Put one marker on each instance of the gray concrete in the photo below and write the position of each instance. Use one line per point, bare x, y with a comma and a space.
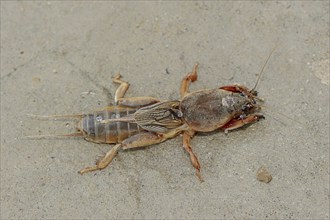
58, 58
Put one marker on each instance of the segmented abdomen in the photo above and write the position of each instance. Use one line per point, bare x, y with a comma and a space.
112, 132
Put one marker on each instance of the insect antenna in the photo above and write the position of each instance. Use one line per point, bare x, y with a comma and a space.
279, 113
253, 91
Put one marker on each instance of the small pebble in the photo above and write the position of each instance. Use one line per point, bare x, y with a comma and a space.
263, 175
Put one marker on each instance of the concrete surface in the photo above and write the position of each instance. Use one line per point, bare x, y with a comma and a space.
58, 58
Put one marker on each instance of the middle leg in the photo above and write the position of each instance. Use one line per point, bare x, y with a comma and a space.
190, 77
187, 135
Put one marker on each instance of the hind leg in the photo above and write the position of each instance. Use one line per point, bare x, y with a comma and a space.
136, 141
104, 161
122, 89
133, 101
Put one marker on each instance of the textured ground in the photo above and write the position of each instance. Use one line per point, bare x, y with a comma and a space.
58, 58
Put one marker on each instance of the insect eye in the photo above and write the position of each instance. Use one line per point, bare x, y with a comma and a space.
247, 107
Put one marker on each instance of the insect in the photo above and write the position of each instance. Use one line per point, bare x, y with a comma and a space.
142, 121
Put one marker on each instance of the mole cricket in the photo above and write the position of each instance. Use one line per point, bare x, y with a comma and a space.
142, 121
